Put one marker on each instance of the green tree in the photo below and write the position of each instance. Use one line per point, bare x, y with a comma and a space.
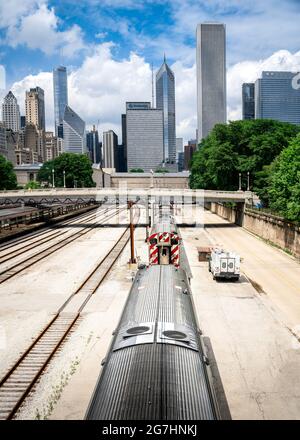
161, 170
77, 167
33, 184
239, 147
8, 179
136, 170
284, 188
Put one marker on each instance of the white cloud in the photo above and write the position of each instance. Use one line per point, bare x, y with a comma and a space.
101, 35
10, 14
37, 27
99, 88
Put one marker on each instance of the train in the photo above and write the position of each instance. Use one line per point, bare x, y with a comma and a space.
156, 366
164, 241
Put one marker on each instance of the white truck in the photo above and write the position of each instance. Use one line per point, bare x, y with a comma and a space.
224, 264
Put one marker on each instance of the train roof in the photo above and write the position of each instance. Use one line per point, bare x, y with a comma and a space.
156, 338
164, 226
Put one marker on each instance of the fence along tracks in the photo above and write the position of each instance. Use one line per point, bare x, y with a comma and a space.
38, 256
20, 379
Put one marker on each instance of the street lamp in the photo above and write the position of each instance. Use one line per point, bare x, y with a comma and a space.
248, 181
75, 183
240, 181
53, 182
151, 179
64, 173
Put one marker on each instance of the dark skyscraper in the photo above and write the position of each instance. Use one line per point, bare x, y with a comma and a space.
165, 101
123, 149
248, 101
93, 145
60, 90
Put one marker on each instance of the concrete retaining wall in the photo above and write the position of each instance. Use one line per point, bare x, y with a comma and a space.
269, 227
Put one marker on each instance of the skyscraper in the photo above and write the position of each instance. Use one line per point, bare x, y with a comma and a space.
211, 76
144, 134
248, 101
110, 149
60, 91
123, 160
74, 140
50, 145
11, 112
165, 101
93, 145
276, 97
35, 108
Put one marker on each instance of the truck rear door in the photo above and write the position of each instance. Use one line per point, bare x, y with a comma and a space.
223, 264
231, 265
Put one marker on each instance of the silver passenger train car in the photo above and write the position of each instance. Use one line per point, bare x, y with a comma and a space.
156, 368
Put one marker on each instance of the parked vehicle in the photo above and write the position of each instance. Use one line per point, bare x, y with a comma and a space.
224, 264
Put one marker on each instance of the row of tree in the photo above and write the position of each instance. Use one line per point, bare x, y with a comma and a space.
69, 169
267, 149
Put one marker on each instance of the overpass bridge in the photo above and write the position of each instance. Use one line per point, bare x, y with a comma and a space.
116, 195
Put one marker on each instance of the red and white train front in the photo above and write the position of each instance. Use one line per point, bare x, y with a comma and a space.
164, 243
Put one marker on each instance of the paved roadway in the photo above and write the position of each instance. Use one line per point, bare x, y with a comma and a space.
276, 273
250, 329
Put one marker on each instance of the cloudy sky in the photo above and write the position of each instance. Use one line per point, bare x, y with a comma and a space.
108, 47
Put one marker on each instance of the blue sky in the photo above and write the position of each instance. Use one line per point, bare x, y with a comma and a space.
255, 30
36, 35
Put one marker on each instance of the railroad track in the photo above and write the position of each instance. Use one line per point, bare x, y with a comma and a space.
32, 244
44, 231
38, 256
21, 378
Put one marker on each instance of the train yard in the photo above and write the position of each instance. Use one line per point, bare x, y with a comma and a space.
63, 291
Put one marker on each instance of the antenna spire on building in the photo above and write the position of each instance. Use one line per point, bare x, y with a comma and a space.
164, 57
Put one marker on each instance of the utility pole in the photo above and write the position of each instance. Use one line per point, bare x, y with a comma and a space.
132, 258
53, 181
147, 217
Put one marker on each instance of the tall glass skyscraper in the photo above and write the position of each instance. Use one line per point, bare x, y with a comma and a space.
74, 140
60, 91
165, 101
248, 101
93, 145
211, 76
277, 97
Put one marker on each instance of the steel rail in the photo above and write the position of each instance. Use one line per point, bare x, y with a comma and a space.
33, 244
20, 379
38, 256
45, 230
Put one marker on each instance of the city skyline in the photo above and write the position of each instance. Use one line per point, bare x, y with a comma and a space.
105, 59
